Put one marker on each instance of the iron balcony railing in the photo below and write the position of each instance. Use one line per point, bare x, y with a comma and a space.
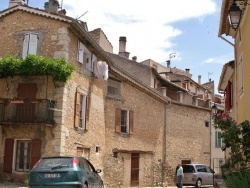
26, 111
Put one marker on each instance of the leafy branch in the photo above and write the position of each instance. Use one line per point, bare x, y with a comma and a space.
34, 65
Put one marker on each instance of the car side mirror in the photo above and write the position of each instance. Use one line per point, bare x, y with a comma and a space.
98, 170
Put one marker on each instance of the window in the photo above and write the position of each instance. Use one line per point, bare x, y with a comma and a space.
124, 121
81, 111
218, 139
114, 89
23, 148
21, 155
85, 57
30, 42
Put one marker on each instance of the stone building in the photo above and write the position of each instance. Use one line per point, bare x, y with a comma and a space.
136, 126
41, 116
163, 134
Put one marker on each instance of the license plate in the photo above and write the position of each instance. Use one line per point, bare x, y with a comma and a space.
52, 175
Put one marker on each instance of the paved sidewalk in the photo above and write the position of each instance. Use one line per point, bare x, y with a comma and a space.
220, 183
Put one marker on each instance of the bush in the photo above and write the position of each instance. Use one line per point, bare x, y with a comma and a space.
238, 179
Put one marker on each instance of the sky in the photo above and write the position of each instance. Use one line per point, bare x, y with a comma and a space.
185, 32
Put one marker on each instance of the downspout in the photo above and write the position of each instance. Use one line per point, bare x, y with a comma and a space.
226, 40
164, 145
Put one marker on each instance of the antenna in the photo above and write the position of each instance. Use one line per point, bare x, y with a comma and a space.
61, 4
209, 73
82, 15
171, 56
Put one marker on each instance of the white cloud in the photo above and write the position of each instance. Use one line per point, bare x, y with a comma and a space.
146, 24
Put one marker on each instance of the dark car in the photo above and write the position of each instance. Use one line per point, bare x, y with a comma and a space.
197, 175
68, 172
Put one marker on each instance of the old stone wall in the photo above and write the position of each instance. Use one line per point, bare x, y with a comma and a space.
187, 136
55, 41
146, 137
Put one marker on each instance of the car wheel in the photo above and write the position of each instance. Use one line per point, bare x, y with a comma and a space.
198, 183
85, 185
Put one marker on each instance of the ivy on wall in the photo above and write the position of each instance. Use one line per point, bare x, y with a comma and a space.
34, 65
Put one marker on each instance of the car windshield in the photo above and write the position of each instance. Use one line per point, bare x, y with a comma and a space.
55, 163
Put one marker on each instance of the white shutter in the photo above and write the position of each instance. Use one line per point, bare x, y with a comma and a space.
33, 43
25, 45
80, 52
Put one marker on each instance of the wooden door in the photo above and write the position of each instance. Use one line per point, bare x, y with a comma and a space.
135, 161
25, 112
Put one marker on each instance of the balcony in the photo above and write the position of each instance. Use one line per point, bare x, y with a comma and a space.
26, 111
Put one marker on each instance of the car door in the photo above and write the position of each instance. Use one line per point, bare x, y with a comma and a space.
94, 175
202, 172
88, 173
209, 175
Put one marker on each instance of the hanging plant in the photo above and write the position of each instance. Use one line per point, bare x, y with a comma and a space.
34, 65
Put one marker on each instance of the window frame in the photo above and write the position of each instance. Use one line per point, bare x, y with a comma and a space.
30, 45
218, 139
81, 111
129, 121
116, 86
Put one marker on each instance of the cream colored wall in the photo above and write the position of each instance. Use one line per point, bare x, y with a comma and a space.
242, 51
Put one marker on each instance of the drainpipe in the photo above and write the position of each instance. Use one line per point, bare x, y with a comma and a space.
226, 40
164, 145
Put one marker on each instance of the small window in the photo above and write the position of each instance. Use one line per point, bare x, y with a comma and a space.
30, 42
114, 89
24, 152
124, 121
206, 124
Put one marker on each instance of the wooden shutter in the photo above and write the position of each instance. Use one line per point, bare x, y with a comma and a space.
117, 120
33, 43
25, 45
35, 151
228, 97
77, 109
87, 113
131, 121
80, 52
8, 155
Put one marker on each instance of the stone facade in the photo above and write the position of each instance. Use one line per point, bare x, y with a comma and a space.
56, 40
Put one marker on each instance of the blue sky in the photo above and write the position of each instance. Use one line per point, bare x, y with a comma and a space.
155, 29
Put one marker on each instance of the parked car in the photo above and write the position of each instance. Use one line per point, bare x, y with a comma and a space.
197, 175
64, 171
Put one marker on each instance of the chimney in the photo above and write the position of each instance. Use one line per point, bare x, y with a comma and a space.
199, 79
122, 47
134, 58
168, 63
13, 3
52, 6
187, 70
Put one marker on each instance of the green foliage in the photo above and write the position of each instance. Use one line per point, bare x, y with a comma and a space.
236, 137
238, 179
34, 65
